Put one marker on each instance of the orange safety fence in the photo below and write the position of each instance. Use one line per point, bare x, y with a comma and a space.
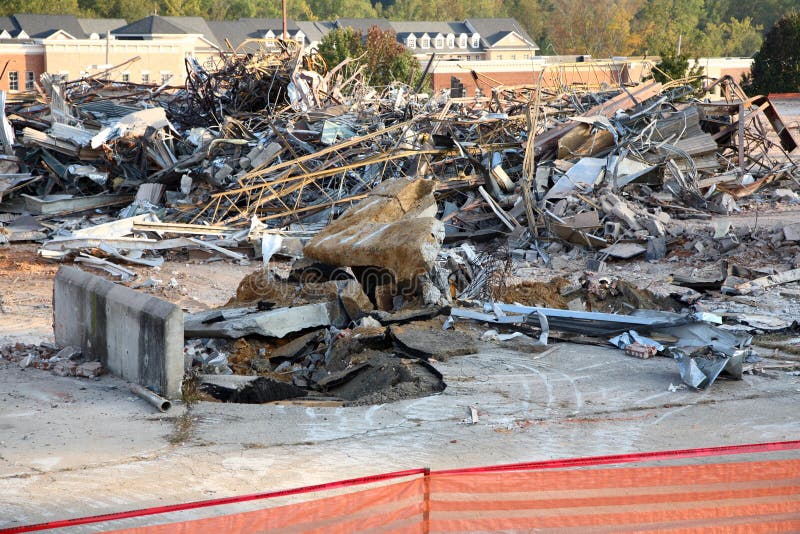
759, 492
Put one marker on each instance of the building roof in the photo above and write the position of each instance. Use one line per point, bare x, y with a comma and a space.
315, 30
237, 31
226, 29
363, 25
100, 26
431, 28
493, 30
43, 26
7, 23
152, 25
194, 25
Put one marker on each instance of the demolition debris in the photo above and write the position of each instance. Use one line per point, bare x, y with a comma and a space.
403, 215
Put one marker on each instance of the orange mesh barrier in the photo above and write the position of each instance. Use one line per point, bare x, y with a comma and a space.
578, 495
747, 496
392, 508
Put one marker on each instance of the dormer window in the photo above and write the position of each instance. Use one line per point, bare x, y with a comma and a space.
438, 42
476, 41
425, 42
451, 40
5, 35
94, 36
462, 40
300, 37
411, 41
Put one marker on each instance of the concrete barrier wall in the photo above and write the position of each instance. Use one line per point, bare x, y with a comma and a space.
136, 336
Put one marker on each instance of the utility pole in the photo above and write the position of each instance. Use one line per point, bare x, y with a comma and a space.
283, 6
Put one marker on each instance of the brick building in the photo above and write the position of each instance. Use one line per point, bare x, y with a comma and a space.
471, 56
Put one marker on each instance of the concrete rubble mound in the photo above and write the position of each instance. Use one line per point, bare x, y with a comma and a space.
395, 228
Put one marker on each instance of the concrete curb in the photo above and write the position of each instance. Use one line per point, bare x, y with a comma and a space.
136, 336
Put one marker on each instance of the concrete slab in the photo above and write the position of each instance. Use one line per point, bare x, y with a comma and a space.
137, 337
570, 401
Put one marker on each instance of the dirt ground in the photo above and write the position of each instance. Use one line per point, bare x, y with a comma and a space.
26, 289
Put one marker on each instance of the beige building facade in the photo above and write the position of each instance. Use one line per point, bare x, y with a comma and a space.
156, 61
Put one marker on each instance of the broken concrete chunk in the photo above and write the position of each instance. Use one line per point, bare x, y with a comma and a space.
89, 369
791, 232
430, 341
274, 323
355, 301
69, 353
392, 228
261, 155
656, 248
624, 250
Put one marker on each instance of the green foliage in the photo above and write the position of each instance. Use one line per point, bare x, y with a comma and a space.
764, 13
671, 67
340, 44
333, 9
386, 59
776, 66
664, 22
674, 66
383, 58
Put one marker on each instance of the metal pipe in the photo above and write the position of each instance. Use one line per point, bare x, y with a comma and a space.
159, 402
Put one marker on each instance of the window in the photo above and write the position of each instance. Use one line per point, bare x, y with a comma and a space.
513, 56
300, 37
476, 41
462, 40
451, 41
84, 74
425, 42
145, 77
13, 81
165, 77
438, 42
411, 41
29, 80
126, 77
499, 56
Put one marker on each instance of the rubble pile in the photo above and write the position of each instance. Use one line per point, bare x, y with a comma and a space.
68, 361
401, 210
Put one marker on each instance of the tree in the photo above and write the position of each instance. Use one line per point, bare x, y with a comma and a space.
674, 66
333, 9
529, 13
776, 66
735, 38
386, 59
661, 23
599, 28
340, 44
62, 7
764, 13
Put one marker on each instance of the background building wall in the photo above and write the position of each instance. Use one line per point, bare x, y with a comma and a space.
20, 58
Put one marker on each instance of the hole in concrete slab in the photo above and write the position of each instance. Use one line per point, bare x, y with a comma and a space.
351, 367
